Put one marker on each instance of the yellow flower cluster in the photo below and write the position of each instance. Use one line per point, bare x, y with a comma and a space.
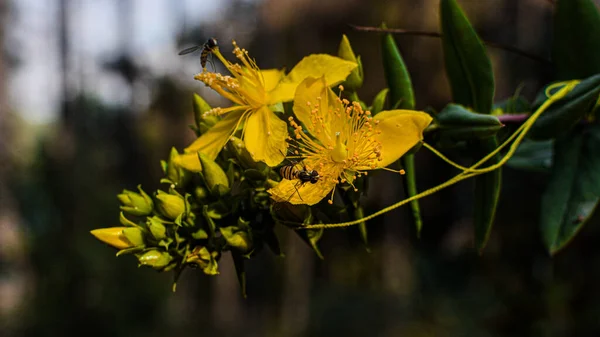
333, 136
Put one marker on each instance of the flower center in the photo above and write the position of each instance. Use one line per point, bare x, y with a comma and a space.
339, 154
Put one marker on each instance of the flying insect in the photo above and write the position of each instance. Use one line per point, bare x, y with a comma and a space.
207, 48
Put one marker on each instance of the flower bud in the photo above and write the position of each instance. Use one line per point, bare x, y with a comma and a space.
135, 236
237, 238
174, 172
238, 148
156, 227
155, 259
114, 236
213, 175
355, 79
203, 120
170, 205
204, 259
139, 204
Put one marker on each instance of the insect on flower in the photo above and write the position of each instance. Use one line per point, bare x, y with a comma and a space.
343, 141
254, 93
291, 172
207, 48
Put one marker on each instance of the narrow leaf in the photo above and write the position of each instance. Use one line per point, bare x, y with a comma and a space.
401, 97
471, 79
487, 193
396, 75
561, 116
468, 67
576, 47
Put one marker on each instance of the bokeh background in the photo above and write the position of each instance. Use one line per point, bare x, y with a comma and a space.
93, 95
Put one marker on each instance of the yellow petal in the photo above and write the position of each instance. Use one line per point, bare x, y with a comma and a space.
212, 141
271, 78
265, 137
333, 68
301, 194
400, 131
188, 161
315, 91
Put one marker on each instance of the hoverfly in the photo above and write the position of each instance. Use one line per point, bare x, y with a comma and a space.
207, 48
290, 172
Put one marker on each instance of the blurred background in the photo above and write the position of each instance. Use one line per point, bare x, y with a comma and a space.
93, 95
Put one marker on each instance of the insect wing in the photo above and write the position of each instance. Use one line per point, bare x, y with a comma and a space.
189, 50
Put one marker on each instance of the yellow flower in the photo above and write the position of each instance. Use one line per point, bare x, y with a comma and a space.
254, 92
343, 141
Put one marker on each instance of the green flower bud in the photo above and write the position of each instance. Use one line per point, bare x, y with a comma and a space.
155, 259
134, 235
174, 172
156, 227
170, 205
238, 148
204, 121
355, 80
200, 193
237, 238
139, 204
113, 236
214, 175
204, 259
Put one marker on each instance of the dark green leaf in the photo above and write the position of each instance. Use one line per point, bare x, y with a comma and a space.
487, 193
457, 123
533, 156
396, 75
471, 79
574, 188
514, 105
561, 116
410, 187
468, 67
458, 115
576, 47
401, 97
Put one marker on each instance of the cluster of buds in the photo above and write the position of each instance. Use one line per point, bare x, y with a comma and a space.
199, 216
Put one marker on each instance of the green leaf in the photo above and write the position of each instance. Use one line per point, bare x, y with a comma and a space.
574, 188
457, 123
513, 105
487, 193
468, 67
533, 156
379, 101
471, 79
396, 75
458, 115
576, 47
561, 116
410, 187
402, 97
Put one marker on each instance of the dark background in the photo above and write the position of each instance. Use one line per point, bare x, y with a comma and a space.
92, 123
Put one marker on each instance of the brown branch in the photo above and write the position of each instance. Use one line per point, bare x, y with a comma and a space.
439, 35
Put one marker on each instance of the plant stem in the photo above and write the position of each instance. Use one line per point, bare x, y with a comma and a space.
439, 35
